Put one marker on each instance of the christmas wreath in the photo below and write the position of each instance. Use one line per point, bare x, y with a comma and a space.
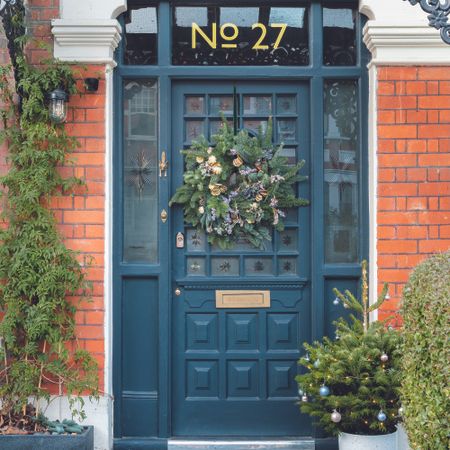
238, 188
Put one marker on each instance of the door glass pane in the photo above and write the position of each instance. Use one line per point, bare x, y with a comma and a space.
195, 105
259, 35
287, 266
286, 104
258, 266
341, 158
140, 159
195, 266
257, 105
225, 266
339, 37
196, 240
141, 31
221, 104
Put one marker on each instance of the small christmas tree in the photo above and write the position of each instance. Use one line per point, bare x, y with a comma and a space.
352, 382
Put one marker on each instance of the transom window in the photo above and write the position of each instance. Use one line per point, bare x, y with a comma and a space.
243, 35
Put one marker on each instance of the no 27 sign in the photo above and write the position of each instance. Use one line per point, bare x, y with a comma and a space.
229, 32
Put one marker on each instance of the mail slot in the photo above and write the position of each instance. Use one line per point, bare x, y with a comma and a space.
242, 299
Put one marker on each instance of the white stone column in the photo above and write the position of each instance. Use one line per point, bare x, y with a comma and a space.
88, 32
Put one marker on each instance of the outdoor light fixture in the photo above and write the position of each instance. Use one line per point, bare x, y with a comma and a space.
57, 106
91, 84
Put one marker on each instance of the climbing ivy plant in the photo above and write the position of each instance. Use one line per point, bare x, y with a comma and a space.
38, 275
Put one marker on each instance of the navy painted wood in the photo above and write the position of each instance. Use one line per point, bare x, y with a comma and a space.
144, 293
234, 369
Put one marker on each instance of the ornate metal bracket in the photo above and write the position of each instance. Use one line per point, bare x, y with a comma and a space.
438, 15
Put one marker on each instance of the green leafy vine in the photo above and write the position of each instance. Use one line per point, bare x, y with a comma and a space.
37, 271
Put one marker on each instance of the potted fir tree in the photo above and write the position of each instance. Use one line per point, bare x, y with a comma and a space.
351, 384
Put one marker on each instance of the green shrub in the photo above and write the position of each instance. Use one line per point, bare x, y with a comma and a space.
425, 388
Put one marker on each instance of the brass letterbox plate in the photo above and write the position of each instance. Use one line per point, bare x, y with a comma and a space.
242, 299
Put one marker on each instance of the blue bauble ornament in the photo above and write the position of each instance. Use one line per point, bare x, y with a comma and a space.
381, 416
324, 391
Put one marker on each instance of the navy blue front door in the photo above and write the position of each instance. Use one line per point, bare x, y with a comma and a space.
233, 370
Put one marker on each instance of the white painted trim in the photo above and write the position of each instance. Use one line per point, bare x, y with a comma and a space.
373, 180
405, 45
108, 273
89, 41
98, 9
398, 34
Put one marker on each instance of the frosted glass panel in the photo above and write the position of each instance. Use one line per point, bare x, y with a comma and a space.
341, 156
140, 172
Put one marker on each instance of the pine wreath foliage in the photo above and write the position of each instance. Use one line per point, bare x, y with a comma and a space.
37, 271
361, 385
238, 188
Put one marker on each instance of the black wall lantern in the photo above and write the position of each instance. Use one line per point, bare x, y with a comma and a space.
57, 106
91, 84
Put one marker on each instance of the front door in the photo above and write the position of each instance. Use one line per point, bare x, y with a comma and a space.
233, 370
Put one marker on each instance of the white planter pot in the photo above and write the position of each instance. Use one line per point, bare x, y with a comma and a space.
361, 442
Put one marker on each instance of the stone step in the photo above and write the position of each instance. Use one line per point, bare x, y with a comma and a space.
244, 444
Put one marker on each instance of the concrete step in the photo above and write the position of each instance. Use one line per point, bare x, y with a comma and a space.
244, 444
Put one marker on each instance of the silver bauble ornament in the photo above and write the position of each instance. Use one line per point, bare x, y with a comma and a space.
401, 411
317, 363
300, 392
346, 306
335, 417
336, 301
381, 416
306, 357
384, 357
304, 398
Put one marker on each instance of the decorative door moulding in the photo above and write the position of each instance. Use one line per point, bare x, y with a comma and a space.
437, 15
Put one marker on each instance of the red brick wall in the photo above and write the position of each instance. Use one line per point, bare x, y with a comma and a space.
413, 171
80, 216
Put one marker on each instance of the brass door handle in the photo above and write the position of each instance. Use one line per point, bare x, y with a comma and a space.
177, 292
163, 165
164, 216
